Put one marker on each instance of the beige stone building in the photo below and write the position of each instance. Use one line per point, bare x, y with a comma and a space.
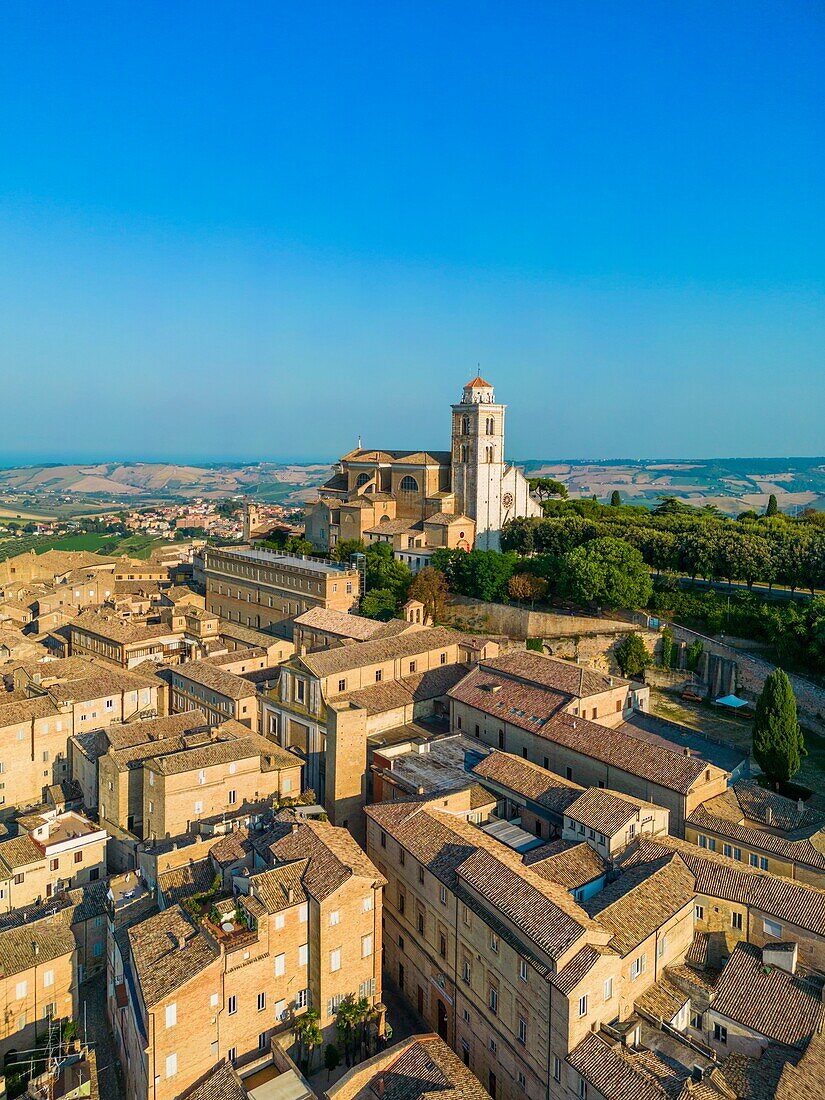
322, 628
424, 500
221, 695
764, 830
615, 995
238, 777
38, 980
328, 703
186, 995
556, 714
125, 643
53, 852
263, 589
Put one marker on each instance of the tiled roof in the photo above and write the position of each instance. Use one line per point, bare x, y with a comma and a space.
106, 624
641, 900
223, 752
273, 887
217, 679
553, 673
338, 622
332, 661
334, 857
98, 685
720, 877
236, 845
24, 710
389, 694
606, 811
781, 1006
773, 809
426, 1067
545, 911
52, 936
124, 736
20, 851
569, 863
527, 779
185, 882
663, 1000
804, 1080
796, 851
577, 969
167, 952
221, 1083
444, 519
616, 1073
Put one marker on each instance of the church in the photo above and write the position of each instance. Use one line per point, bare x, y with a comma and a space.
421, 501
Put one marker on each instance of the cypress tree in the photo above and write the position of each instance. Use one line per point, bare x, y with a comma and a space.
773, 507
615, 498
778, 743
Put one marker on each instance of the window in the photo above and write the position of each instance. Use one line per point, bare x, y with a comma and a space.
493, 1046
736, 921
583, 1006
279, 920
171, 1065
465, 916
213, 1000
261, 1001
699, 912
608, 989
754, 859
727, 850
262, 1041
568, 772
231, 1054
48, 980
522, 1030
335, 960
771, 928
720, 1033
421, 922
493, 1000
466, 971
201, 777
494, 942
366, 947
408, 484
556, 1068
522, 1080
280, 965
696, 1020
20, 990
300, 690
342, 685
442, 894
198, 807
522, 969
54, 864
366, 904
763, 863
171, 1014
737, 853
466, 1016
334, 917
412, 666
232, 798
639, 966
97, 950
401, 901
383, 839
661, 947
582, 1089
302, 998
232, 1005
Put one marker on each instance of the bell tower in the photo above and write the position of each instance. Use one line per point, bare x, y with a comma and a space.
478, 460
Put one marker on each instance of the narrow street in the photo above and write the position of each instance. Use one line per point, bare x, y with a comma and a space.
93, 1002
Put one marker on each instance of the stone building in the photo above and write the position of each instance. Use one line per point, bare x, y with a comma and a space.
424, 500
186, 995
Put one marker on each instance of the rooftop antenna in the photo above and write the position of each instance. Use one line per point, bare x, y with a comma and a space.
359, 441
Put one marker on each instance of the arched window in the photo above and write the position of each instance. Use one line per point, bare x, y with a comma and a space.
463, 452
489, 426
488, 454
465, 425
408, 484
362, 479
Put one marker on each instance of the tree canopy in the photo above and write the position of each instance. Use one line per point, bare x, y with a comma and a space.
778, 742
608, 572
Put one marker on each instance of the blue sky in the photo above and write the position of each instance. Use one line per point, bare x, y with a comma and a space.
254, 230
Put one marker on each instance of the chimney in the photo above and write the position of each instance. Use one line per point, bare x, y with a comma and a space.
800, 806
379, 1085
686, 751
290, 895
769, 816
782, 955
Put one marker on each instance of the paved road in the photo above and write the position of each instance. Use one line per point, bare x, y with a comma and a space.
93, 997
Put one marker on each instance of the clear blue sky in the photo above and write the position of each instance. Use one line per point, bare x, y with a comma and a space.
254, 230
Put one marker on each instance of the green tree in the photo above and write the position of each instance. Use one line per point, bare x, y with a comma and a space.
632, 655
772, 507
545, 487
430, 587
380, 603
778, 742
386, 573
667, 647
308, 1036
615, 498
526, 586
606, 571
343, 551
332, 1057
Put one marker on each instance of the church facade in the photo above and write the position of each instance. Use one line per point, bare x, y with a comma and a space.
420, 501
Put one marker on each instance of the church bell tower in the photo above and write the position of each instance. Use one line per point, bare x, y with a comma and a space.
478, 460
